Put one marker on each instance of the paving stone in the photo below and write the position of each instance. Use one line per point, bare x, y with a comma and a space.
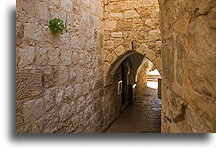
142, 117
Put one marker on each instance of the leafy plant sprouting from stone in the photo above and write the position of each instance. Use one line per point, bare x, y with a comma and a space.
56, 25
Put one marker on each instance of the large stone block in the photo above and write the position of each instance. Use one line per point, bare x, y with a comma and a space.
53, 55
66, 4
43, 11
50, 78
28, 111
28, 83
66, 56
26, 57
31, 31
42, 56
63, 74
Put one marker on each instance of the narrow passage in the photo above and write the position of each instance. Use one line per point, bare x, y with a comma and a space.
144, 116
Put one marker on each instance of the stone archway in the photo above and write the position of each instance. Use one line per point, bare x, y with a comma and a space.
115, 107
110, 83
143, 50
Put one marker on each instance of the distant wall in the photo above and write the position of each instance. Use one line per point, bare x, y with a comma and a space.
131, 25
142, 75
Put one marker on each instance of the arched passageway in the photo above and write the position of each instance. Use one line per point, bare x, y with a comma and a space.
135, 109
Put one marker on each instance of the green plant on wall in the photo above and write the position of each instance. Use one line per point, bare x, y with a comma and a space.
56, 25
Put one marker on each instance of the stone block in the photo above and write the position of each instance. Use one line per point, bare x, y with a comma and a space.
109, 44
26, 57
86, 88
79, 75
39, 108
28, 83
49, 78
65, 112
63, 75
69, 91
81, 104
154, 35
211, 18
124, 25
53, 55
66, 56
66, 4
131, 14
116, 34
59, 96
43, 11
110, 25
42, 56
49, 97
28, 111
77, 90
86, 3
120, 50
150, 23
31, 31
116, 15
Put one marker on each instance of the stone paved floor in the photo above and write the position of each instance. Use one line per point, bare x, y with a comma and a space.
142, 117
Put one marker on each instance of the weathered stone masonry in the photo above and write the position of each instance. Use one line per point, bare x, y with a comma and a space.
64, 84
59, 77
188, 53
129, 26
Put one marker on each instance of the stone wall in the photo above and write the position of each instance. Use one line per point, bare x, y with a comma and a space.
114, 101
59, 78
188, 53
142, 75
131, 25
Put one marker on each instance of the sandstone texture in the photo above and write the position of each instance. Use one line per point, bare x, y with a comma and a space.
69, 83
131, 25
55, 73
188, 59
141, 77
